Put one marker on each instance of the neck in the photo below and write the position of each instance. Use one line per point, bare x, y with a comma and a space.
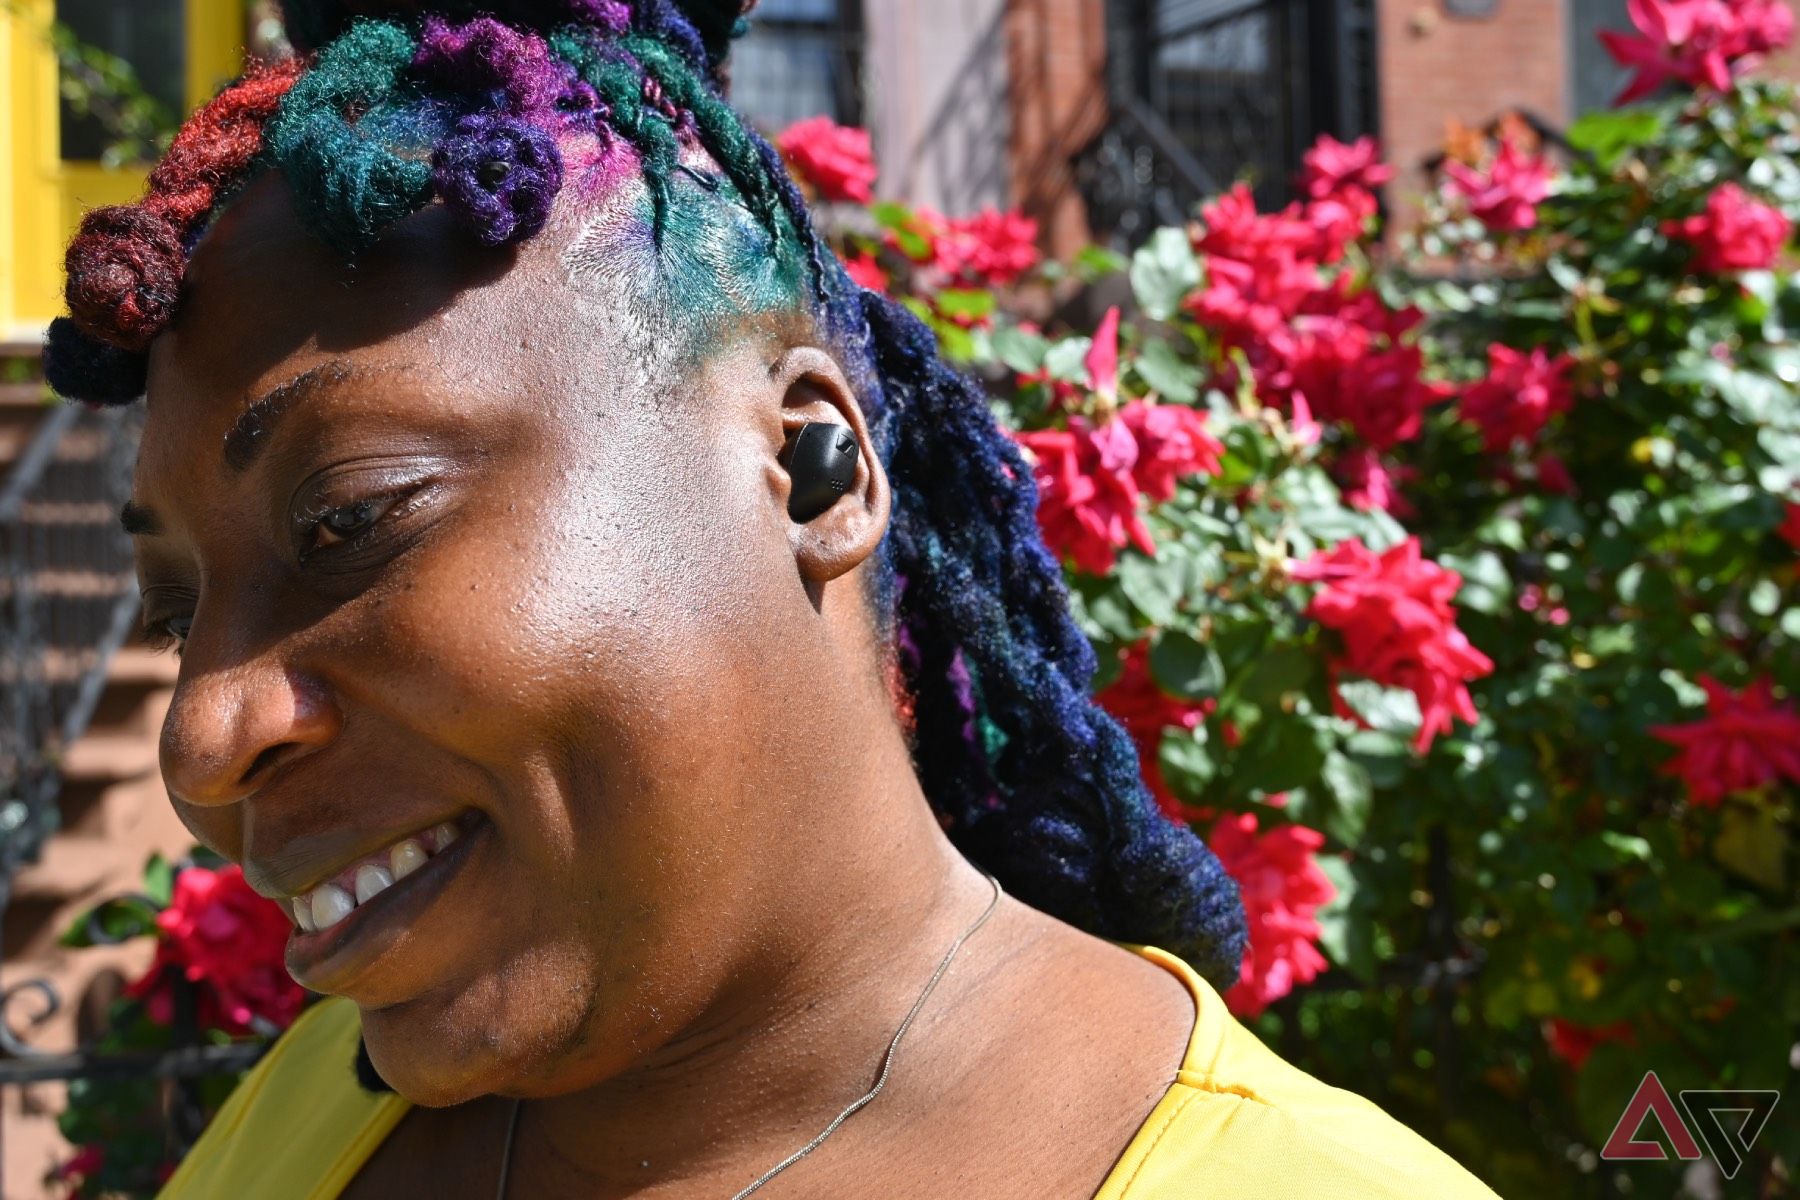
767, 1068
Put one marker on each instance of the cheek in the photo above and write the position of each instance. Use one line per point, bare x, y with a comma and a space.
600, 642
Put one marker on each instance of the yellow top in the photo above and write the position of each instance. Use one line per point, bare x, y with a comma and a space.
1238, 1123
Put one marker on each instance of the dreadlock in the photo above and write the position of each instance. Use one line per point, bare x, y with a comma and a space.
402, 103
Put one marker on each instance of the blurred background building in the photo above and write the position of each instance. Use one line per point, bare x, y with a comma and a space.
1104, 117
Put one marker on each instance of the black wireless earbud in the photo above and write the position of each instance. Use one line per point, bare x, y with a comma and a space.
821, 460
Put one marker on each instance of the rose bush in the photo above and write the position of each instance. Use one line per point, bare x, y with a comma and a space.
1446, 582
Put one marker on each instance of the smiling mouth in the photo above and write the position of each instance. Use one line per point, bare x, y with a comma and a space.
333, 901
391, 887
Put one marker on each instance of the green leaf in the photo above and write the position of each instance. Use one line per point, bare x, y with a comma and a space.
1099, 607
1163, 272
1240, 642
957, 344
1067, 360
1486, 587
1352, 795
1019, 349
1385, 756
1608, 134
114, 921
1187, 762
1284, 752
1276, 672
973, 304
1097, 262
1346, 926
159, 880
1152, 585
1161, 366
1390, 710
1185, 666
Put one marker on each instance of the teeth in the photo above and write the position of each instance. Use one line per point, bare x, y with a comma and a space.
406, 857
371, 881
330, 904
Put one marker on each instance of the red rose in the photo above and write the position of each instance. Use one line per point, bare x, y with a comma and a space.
1553, 476
1370, 484
1331, 167
1702, 43
836, 161
1398, 625
1789, 529
1087, 497
1573, 1043
1282, 888
866, 272
1506, 196
1735, 233
1147, 712
1172, 444
1519, 396
1747, 741
228, 941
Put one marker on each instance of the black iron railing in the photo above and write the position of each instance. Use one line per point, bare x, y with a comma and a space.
67, 599
1206, 92
67, 602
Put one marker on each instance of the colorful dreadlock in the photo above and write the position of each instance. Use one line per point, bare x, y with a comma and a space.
402, 104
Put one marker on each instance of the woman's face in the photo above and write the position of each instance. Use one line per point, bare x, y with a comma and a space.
454, 561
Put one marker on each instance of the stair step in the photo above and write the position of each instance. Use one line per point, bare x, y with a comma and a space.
107, 754
70, 868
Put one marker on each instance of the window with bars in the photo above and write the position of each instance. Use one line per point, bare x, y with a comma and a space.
802, 58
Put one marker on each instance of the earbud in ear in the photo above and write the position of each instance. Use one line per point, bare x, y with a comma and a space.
821, 460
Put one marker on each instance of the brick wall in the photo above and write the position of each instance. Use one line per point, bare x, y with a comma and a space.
1056, 75
1435, 67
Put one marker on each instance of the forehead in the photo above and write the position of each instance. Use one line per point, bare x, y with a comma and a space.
264, 299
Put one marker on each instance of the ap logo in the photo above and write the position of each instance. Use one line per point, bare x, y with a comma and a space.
1727, 1122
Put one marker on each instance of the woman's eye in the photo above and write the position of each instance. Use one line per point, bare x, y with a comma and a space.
347, 522
168, 632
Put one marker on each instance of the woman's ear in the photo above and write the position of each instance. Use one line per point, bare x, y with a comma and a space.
813, 389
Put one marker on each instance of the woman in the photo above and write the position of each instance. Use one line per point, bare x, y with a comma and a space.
678, 803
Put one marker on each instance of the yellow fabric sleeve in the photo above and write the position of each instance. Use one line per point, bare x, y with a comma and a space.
1242, 1123
298, 1127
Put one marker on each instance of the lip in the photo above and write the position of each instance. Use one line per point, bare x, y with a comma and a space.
331, 959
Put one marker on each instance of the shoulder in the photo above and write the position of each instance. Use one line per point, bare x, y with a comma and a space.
1240, 1121
298, 1125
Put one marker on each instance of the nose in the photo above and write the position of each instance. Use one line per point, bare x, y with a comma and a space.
231, 726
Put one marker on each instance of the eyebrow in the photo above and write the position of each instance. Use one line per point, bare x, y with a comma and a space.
252, 430
256, 424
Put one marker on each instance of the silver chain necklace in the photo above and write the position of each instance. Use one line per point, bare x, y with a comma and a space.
887, 1062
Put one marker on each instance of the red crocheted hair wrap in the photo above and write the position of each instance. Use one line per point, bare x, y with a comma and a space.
125, 265
125, 269
218, 143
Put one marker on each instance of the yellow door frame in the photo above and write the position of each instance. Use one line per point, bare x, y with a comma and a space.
42, 197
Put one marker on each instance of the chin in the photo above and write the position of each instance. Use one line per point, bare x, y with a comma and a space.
425, 1062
